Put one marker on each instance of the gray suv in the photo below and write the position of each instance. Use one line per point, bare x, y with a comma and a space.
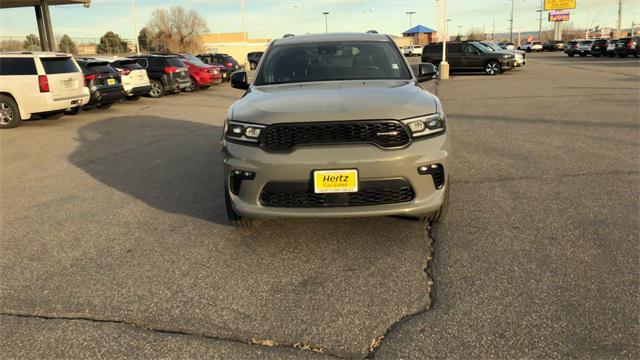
335, 125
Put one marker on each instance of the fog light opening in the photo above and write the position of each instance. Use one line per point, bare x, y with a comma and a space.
437, 174
237, 177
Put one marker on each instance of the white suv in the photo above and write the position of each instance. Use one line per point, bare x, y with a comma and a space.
134, 77
531, 46
42, 83
412, 50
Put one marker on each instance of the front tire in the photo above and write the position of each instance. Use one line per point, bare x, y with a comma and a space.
571, 54
9, 113
235, 219
157, 90
492, 68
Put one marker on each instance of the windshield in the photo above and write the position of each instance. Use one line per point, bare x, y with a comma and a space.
482, 48
194, 60
332, 61
493, 47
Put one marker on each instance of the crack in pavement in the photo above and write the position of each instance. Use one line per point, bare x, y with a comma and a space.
375, 345
253, 341
378, 342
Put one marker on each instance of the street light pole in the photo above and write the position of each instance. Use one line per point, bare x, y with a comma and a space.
366, 19
410, 13
326, 21
511, 20
244, 22
135, 27
295, 10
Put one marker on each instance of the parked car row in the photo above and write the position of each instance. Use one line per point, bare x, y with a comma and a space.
622, 47
474, 55
52, 84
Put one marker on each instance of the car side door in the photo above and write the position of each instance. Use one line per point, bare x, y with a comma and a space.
454, 55
472, 57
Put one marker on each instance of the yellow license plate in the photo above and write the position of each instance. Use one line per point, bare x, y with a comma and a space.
335, 181
111, 81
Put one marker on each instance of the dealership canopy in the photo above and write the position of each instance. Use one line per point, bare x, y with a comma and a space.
417, 30
43, 18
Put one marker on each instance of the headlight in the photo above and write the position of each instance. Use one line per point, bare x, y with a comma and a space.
425, 125
239, 131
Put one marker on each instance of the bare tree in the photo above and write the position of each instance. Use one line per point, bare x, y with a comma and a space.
475, 34
177, 29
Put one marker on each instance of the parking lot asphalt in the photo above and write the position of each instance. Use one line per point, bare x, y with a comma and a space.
114, 240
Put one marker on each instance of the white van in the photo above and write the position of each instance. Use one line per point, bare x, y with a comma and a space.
42, 83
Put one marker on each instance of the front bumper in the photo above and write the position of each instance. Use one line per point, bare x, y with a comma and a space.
371, 162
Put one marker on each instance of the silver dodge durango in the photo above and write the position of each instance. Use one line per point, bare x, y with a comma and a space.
335, 125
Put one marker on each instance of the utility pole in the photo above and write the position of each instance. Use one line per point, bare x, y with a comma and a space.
410, 13
511, 21
326, 21
588, 19
519, 22
244, 22
366, 19
295, 10
619, 25
493, 30
135, 27
540, 24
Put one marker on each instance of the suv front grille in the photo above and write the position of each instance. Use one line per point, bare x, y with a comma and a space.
371, 192
382, 133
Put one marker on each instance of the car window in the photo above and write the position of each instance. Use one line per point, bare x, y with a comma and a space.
58, 65
332, 61
143, 62
100, 68
174, 61
17, 66
156, 62
128, 64
194, 60
454, 48
436, 48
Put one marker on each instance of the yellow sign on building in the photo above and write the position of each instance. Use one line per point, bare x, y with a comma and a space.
559, 4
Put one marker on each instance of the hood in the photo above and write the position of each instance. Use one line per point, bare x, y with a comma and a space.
333, 101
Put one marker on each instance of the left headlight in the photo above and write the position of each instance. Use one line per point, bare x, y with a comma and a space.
240, 131
425, 125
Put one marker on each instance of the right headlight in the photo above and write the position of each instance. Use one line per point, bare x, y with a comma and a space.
245, 132
426, 125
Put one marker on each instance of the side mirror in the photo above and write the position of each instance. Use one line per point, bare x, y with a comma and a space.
426, 72
239, 80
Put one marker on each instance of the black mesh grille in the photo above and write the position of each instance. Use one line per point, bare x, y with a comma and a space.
385, 134
372, 192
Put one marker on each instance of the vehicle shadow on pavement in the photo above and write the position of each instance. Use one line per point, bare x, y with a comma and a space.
335, 285
171, 165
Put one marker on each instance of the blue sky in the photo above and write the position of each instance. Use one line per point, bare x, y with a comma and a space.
273, 18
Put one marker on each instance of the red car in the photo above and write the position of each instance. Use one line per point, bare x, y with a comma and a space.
202, 75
